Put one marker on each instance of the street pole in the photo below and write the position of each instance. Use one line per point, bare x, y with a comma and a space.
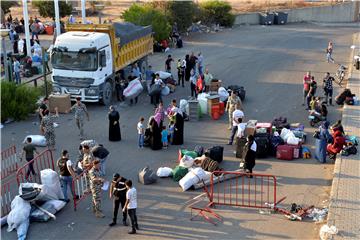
26, 23
44, 70
57, 18
83, 11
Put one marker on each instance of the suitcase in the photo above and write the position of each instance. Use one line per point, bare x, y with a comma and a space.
275, 141
262, 142
216, 153
285, 152
62, 101
240, 143
267, 126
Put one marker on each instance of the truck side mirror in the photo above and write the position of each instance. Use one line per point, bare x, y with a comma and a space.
102, 59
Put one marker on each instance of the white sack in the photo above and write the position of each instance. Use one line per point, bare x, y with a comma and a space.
51, 179
37, 140
133, 89
165, 91
184, 106
192, 177
163, 75
91, 143
203, 102
164, 172
292, 140
20, 211
45, 194
223, 94
186, 161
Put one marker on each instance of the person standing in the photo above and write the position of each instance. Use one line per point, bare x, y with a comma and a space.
101, 153
160, 84
149, 75
131, 205
28, 151
237, 117
96, 183
187, 67
177, 116
181, 65
193, 80
231, 105
168, 64
17, 69
321, 142
306, 84
329, 51
47, 128
328, 88
80, 111
164, 137
312, 91
14, 38
46, 60
118, 191
207, 79
87, 163
35, 28
66, 173
155, 129
114, 125
43, 106
141, 132
193, 59
249, 154
200, 61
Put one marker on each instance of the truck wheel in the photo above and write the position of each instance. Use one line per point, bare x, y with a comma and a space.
107, 94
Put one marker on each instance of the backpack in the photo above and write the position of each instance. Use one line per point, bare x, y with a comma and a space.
147, 176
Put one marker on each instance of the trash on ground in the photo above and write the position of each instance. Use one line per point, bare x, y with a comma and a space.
327, 232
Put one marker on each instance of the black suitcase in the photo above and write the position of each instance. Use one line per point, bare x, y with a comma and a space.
216, 153
240, 143
262, 141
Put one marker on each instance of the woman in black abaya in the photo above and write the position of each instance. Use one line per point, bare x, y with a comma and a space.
155, 139
178, 138
114, 125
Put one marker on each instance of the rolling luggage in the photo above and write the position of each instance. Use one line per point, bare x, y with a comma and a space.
262, 141
216, 153
240, 143
285, 152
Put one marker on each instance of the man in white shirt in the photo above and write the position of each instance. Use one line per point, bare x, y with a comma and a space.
131, 205
237, 117
17, 71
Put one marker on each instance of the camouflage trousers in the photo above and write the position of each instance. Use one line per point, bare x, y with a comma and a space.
96, 201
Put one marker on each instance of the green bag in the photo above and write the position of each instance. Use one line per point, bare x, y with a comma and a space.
192, 154
178, 173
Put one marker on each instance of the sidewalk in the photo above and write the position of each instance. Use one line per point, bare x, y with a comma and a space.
344, 209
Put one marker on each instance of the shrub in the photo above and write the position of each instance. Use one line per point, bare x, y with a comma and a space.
6, 5
17, 101
145, 15
217, 12
183, 13
47, 8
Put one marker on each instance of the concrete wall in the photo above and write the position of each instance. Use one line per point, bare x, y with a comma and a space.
344, 12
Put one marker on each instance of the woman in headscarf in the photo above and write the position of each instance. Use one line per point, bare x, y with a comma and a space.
48, 129
249, 154
321, 142
337, 144
155, 135
114, 125
177, 115
187, 68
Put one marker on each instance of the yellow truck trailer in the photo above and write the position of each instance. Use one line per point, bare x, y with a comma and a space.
87, 58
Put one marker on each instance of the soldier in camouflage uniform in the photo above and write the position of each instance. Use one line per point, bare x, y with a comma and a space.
96, 183
233, 102
87, 163
80, 111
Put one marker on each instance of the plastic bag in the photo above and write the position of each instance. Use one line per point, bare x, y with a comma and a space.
37, 140
133, 89
91, 143
292, 140
51, 179
42, 192
203, 102
20, 211
165, 91
22, 229
192, 177
163, 75
284, 133
155, 89
58, 204
40, 216
326, 232
164, 172
186, 161
223, 94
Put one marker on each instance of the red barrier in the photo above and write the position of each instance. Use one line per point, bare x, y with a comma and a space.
8, 192
42, 161
80, 188
9, 162
243, 191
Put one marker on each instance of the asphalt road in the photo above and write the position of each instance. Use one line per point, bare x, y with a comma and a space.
270, 62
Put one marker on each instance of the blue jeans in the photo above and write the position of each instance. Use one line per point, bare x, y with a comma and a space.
34, 34
141, 140
66, 181
102, 166
17, 78
233, 132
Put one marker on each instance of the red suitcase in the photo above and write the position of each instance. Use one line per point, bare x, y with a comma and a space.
268, 126
285, 152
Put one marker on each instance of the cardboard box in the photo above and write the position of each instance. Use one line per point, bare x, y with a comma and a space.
61, 101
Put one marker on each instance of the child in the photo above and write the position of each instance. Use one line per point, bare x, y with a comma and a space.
164, 137
131, 205
171, 130
312, 103
141, 132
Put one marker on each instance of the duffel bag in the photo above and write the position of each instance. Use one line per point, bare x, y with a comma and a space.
133, 89
216, 153
147, 176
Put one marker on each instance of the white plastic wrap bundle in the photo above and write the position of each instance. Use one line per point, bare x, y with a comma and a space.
51, 179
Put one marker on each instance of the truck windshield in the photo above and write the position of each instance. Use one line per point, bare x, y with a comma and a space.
74, 61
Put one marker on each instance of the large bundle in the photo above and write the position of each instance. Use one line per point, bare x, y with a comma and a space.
191, 178
133, 89
36, 140
18, 217
51, 179
128, 32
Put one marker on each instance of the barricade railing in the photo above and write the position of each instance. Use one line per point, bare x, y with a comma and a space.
9, 162
42, 161
242, 189
80, 188
8, 192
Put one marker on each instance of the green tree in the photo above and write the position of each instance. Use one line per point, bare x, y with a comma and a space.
6, 5
183, 13
47, 9
218, 12
145, 15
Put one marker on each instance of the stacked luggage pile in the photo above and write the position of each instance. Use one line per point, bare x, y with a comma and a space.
278, 139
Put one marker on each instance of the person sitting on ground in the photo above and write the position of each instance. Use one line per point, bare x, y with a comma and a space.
337, 145
206, 163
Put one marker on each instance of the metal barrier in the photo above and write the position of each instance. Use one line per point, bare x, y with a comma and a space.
80, 188
8, 192
42, 161
9, 162
243, 189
